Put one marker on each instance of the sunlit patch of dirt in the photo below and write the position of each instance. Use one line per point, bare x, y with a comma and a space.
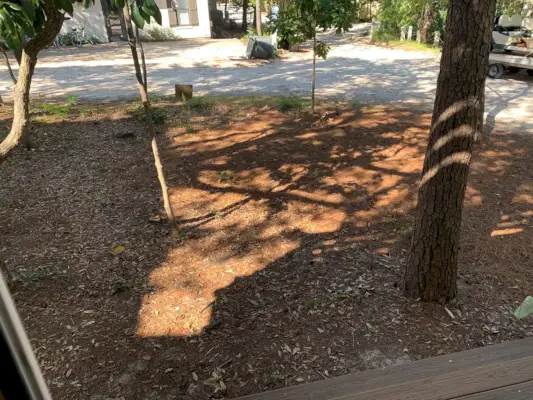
288, 263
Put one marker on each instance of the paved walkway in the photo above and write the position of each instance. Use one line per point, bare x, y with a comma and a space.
354, 71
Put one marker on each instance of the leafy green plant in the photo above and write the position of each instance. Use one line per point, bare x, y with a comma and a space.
72, 99
290, 103
58, 110
202, 103
189, 130
159, 116
225, 176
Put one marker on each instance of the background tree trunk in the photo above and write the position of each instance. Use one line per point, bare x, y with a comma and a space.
258, 24
244, 24
431, 272
21, 95
427, 20
313, 80
142, 84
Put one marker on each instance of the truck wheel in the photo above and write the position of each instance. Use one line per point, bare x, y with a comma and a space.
495, 71
530, 72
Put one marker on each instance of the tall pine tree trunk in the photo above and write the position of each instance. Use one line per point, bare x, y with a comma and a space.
142, 84
21, 94
431, 272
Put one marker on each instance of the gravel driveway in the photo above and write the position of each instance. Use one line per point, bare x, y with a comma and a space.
355, 71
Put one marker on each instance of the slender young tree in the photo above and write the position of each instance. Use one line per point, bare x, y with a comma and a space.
323, 14
431, 272
139, 18
41, 21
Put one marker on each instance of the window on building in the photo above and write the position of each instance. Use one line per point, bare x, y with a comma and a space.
182, 12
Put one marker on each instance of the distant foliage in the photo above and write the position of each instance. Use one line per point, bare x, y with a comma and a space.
292, 28
161, 34
382, 35
511, 7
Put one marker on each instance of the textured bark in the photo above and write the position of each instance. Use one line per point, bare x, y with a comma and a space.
431, 271
141, 83
21, 95
313, 80
143, 59
427, 20
258, 17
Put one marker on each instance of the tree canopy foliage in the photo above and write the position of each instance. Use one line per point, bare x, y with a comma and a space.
20, 19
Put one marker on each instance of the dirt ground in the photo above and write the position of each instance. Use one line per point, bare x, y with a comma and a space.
287, 268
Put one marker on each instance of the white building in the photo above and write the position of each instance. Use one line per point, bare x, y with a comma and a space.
188, 19
92, 19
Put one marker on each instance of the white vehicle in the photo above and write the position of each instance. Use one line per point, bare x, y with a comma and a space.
501, 62
512, 34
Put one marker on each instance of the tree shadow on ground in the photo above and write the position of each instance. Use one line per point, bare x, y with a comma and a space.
295, 273
289, 263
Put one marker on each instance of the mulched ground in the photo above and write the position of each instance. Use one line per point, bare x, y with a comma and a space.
288, 264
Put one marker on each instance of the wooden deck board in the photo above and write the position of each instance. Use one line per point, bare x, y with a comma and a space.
444, 377
522, 391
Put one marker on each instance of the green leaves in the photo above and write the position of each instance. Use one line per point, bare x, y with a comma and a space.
16, 20
151, 10
22, 18
136, 17
65, 5
143, 10
322, 49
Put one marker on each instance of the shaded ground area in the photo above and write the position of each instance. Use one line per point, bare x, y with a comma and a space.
293, 236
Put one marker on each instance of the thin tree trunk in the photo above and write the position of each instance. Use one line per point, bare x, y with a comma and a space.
8, 64
21, 95
244, 24
428, 17
148, 113
431, 272
313, 81
258, 17
123, 30
143, 59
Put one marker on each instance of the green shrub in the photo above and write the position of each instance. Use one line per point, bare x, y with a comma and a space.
58, 110
202, 103
290, 103
384, 35
160, 34
159, 116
